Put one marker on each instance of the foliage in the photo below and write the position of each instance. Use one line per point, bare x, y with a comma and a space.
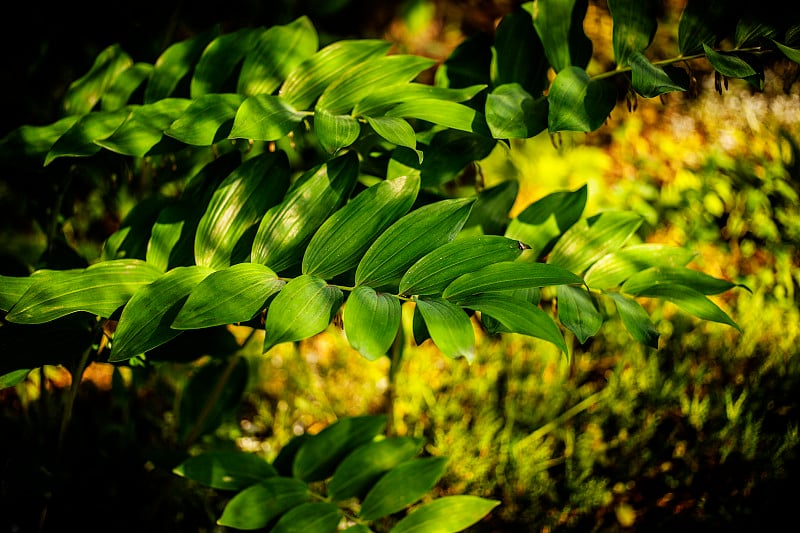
305, 184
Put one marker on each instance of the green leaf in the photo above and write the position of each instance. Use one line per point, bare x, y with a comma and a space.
635, 25
13, 289
469, 64
265, 117
219, 60
448, 114
791, 53
449, 327
356, 474
100, 289
144, 128
512, 113
303, 308
320, 455
729, 65
401, 486
395, 130
341, 241
699, 23
578, 103
260, 504
226, 470
559, 24
449, 514
196, 416
285, 230
490, 211
207, 120
509, 275
234, 294
84, 93
33, 142
316, 517
577, 312
80, 139
434, 271
274, 54
359, 81
542, 222
587, 241
650, 80
238, 203
175, 63
309, 79
371, 321
335, 131
616, 267
690, 301
13, 378
377, 102
636, 320
699, 281
411, 237
125, 85
449, 153
515, 32
146, 318
516, 315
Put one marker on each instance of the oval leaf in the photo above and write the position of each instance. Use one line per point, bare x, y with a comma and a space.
207, 120
228, 296
508, 275
449, 327
696, 280
446, 515
260, 504
371, 321
335, 131
410, 238
578, 313
146, 318
302, 309
448, 114
636, 320
401, 486
616, 267
691, 301
435, 271
226, 470
265, 117
578, 103
316, 517
342, 240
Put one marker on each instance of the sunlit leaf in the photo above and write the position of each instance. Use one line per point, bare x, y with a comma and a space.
433, 272
239, 203
83, 93
577, 312
13, 287
516, 315
509, 275
265, 117
449, 327
449, 514
226, 470
285, 230
100, 289
729, 65
335, 131
315, 517
616, 267
146, 318
119, 93
577, 103
13, 378
258, 505
274, 54
207, 120
791, 53
694, 279
691, 301
377, 102
411, 237
320, 455
80, 139
303, 308
512, 113
636, 320
144, 128
449, 114
401, 486
395, 130
219, 60
371, 321
227, 296
356, 474
559, 24
587, 241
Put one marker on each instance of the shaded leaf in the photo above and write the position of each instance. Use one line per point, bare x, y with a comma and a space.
635, 25
434, 271
320, 455
234, 294
219, 60
302, 309
512, 113
699, 24
636, 320
729, 65
490, 211
409, 238
175, 63
401, 486
699, 281
515, 32
509, 275
146, 318
144, 127
449, 327
371, 321
449, 514
80, 139
650, 80
356, 474
691, 301
225, 470
577, 312
258, 505
207, 120
559, 24
578, 103
316, 517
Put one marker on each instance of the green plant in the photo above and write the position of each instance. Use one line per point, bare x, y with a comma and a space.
294, 184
